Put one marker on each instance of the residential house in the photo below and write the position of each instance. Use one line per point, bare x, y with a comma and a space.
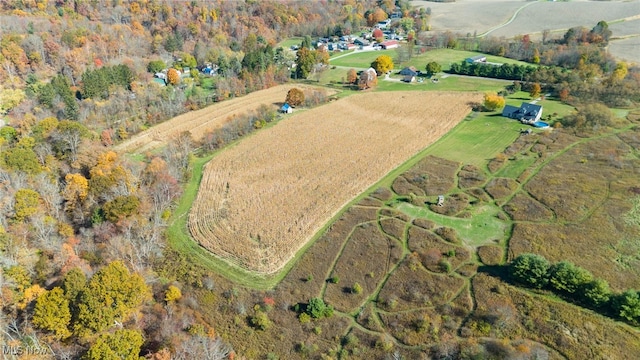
408, 78
383, 24
527, 113
409, 71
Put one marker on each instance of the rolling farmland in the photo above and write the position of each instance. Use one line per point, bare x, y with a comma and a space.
199, 122
259, 202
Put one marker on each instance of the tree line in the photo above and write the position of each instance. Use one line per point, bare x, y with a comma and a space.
577, 285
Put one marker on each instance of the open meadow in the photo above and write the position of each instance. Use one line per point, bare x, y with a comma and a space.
198, 123
260, 201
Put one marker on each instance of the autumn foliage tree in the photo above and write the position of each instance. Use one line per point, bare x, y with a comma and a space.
52, 313
295, 97
368, 79
173, 77
352, 76
27, 202
535, 90
382, 64
378, 35
493, 101
121, 344
111, 294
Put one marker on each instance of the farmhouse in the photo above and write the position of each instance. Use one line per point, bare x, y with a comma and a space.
527, 113
409, 71
389, 44
476, 59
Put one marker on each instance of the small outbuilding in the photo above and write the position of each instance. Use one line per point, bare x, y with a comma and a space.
286, 109
476, 59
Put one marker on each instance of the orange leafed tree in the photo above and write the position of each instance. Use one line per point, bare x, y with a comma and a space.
535, 90
173, 77
295, 97
352, 76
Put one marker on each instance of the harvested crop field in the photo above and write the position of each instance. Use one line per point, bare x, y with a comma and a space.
493, 17
260, 201
564, 15
200, 122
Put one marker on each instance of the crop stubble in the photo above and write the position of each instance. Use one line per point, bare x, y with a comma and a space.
259, 202
198, 123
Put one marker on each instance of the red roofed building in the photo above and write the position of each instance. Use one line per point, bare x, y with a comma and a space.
389, 44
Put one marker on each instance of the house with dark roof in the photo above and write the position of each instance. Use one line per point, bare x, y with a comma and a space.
409, 71
527, 113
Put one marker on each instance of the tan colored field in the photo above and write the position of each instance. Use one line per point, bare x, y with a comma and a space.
260, 201
564, 15
199, 122
496, 18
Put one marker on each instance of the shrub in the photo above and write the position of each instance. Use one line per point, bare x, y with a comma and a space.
356, 289
317, 309
260, 320
304, 318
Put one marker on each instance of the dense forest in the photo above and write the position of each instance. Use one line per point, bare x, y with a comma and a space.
82, 227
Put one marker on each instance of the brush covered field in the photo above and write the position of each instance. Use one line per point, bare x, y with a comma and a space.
425, 288
261, 200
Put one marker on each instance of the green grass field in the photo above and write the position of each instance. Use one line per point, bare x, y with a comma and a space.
287, 43
480, 229
477, 139
445, 57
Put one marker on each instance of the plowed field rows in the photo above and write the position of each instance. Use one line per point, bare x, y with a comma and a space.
259, 202
200, 122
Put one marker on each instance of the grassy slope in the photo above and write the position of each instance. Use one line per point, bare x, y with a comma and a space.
444, 57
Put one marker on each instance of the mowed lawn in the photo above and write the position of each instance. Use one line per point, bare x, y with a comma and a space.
445, 57
483, 135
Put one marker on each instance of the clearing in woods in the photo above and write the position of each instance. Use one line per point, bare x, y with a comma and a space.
200, 122
262, 200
